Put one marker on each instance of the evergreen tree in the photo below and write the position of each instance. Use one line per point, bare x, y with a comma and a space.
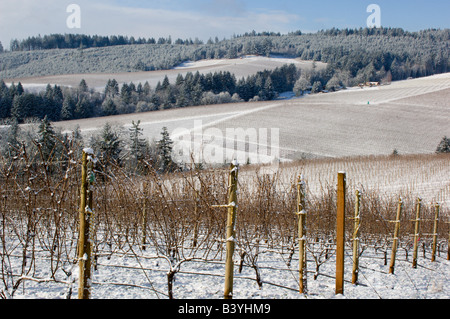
317, 87
5, 108
125, 93
52, 105
444, 145
3, 88
13, 90
109, 107
47, 139
24, 106
83, 109
155, 100
13, 145
58, 95
165, 84
243, 90
146, 90
158, 87
20, 89
181, 99
83, 87
5, 101
196, 94
170, 98
139, 90
109, 145
301, 85
112, 88
179, 81
68, 108
268, 91
139, 147
164, 150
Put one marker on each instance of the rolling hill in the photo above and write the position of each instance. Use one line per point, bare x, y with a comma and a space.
242, 67
409, 116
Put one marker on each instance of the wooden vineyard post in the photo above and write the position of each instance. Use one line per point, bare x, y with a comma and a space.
340, 233
395, 239
144, 216
86, 216
357, 220
231, 221
435, 231
196, 216
448, 242
416, 232
301, 212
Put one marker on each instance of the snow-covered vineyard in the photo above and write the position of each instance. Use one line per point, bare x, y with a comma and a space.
159, 237
133, 274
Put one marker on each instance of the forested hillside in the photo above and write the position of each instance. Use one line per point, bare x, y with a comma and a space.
60, 103
352, 57
358, 52
75, 41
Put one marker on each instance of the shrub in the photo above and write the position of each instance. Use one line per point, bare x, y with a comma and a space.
444, 146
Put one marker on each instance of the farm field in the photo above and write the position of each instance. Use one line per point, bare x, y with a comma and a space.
243, 67
143, 276
153, 257
163, 152
412, 176
355, 131
355, 122
409, 116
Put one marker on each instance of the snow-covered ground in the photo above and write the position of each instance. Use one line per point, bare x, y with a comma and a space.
243, 67
245, 62
140, 276
409, 116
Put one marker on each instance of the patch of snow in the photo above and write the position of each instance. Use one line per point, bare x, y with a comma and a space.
88, 151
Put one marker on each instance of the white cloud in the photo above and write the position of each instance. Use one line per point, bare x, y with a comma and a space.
225, 7
23, 18
184, 24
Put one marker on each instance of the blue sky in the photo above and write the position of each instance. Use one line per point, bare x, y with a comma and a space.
210, 18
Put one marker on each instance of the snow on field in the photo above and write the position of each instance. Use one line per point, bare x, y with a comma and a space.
360, 122
143, 276
240, 67
429, 281
424, 176
125, 271
409, 116
246, 65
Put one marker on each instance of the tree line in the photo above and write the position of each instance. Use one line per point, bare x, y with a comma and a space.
114, 147
76, 41
362, 53
62, 103
353, 56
